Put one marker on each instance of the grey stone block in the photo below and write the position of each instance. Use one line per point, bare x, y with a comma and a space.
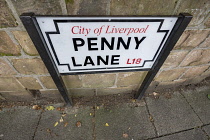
114, 121
200, 103
48, 131
87, 7
172, 115
18, 123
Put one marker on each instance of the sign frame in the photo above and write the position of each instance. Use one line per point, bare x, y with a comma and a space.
30, 23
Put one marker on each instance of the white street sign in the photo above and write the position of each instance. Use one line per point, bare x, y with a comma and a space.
96, 44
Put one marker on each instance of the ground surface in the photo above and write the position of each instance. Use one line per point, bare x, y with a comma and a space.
183, 115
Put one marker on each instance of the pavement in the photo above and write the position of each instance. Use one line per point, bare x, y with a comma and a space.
181, 115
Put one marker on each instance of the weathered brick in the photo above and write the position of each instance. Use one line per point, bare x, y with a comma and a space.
30, 66
72, 81
130, 78
207, 23
5, 69
192, 39
82, 92
142, 7
174, 59
98, 80
195, 71
42, 7
194, 80
29, 82
50, 96
169, 85
181, 40
25, 41
22, 96
197, 57
206, 73
87, 7
54, 95
205, 43
72, 6
7, 47
10, 84
48, 82
109, 91
170, 75
199, 10
152, 86
6, 17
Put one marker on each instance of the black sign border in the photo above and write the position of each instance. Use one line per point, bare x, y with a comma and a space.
105, 20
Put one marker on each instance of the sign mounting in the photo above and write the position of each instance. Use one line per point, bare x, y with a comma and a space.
81, 45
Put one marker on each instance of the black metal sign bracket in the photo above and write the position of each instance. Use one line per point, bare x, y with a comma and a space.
181, 24
32, 28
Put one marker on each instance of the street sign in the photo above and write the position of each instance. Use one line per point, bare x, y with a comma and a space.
81, 45
103, 44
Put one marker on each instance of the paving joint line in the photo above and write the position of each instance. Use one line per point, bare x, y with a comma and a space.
204, 130
172, 133
179, 132
153, 124
94, 122
37, 124
192, 109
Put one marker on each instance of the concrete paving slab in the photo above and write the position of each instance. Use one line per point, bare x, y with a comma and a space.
207, 130
195, 134
18, 123
200, 103
67, 129
172, 115
123, 121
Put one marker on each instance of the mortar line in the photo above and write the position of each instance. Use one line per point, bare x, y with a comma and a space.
153, 124
14, 12
23, 56
40, 116
206, 18
180, 77
31, 75
96, 91
192, 108
10, 64
108, 9
19, 83
12, 29
63, 7
204, 42
12, 37
177, 7
39, 81
165, 69
116, 80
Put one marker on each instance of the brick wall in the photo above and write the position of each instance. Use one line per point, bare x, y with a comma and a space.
21, 68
